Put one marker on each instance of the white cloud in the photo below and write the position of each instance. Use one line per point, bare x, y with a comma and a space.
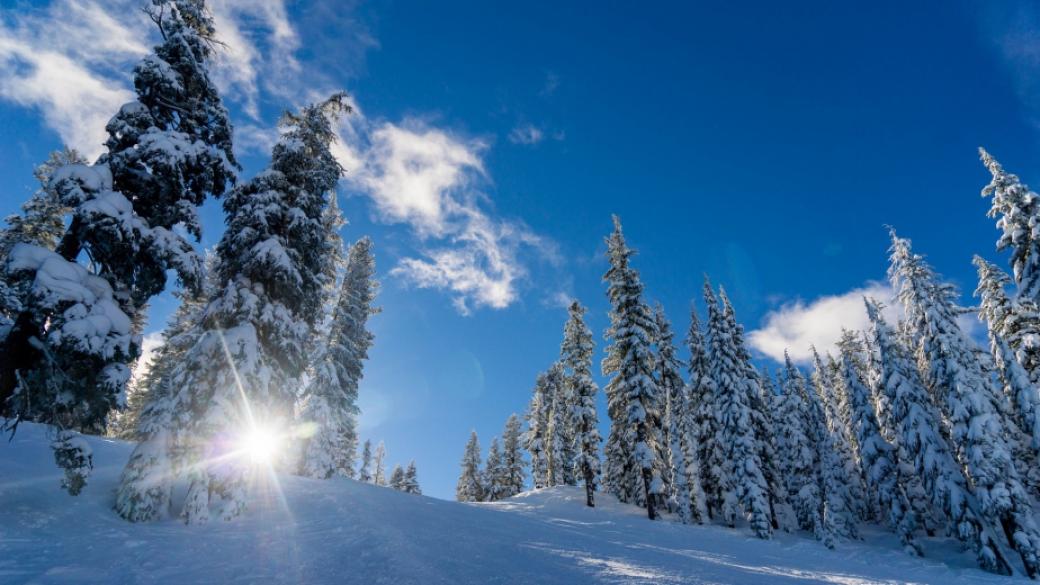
428, 179
797, 326
150, 343
526, 134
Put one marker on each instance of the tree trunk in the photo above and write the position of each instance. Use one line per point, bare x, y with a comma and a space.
589, 492
19, 355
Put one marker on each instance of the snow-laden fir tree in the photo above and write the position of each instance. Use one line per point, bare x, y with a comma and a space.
835, 479
379, 465
968, 398
512, 457
397, 478
494, 473
133, 215
1019, 386
676, 421
536, 439
919, 442
761, 421
841, 469
1018, 213
41, 221
365, 470
576, 358
1019, 370
470, 488
330, 399
240, 376
411, 480
734, 459
559, 451
885, 496
632, 394
699, 426
796, 442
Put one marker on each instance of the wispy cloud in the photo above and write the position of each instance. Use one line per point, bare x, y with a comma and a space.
526, 134
1014, 30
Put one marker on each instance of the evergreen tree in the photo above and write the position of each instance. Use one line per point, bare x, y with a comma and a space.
576, 357
239, 377
133, 214
494, 474
379, 465
699, 426
670, 383
1018, 211
877, 457
411, 480
470, 487
330, 399
632, 394
512, 458
537, 436
919, 443
397, 478
734, 459
42, 218
364, 472
967, 397
796, 440
560, 429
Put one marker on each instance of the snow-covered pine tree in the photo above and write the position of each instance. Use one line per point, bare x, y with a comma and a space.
239, 377
968, 399
699, 426
397, 478
494, 473
470, 487
512, 457
42, 218
560, 429
1020, 387
411, 480
841, 475
632, 394
676, 421
576, 357
735, 458
796, 441
919, 442
536, 439
1018, 210
330, 399
877, 457
379, 465
365, 471
133, 213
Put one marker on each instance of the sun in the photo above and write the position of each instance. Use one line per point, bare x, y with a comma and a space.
260, 445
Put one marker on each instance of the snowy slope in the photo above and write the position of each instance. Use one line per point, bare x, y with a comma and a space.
341, 531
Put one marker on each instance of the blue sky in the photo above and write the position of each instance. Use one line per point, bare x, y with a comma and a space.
764, 144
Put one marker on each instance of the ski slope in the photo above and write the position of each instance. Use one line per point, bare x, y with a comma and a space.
341, 531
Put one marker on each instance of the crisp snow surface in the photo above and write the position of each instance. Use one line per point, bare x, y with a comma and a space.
341, 531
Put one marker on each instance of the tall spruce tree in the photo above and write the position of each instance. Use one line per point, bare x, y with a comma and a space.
699, 428
470, 488
494, 473
1018, 211
133, 214
240, 375
536, 439
735, 463
576, 357
965, 393
512, 457
379, 465
676, 423
796, 441
397, 478
411, 480
919, 441
632, 394
886, 497
42, 218
330, 399
560, 429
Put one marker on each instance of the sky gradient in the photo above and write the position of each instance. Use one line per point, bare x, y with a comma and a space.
764, 144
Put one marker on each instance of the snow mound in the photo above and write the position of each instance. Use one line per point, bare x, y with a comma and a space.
339, 531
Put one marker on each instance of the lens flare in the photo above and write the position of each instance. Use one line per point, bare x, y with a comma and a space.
260, 446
